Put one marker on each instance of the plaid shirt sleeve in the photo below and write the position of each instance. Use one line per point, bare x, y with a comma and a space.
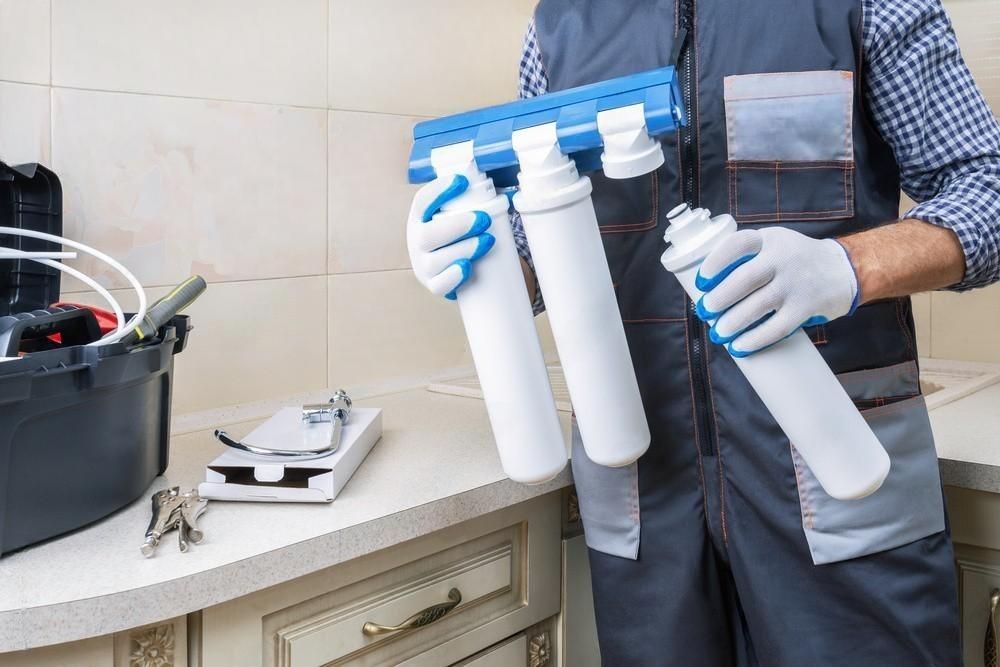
923, 100
531, 82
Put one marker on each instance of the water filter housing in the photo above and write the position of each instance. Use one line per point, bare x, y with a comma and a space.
500, 328
791, 378
545, 143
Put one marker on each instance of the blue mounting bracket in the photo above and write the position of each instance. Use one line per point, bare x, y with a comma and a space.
574, 111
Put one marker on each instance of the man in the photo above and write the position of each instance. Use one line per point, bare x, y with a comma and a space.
806, 119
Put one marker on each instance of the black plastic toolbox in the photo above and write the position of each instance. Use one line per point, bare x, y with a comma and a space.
83, 432
30, 198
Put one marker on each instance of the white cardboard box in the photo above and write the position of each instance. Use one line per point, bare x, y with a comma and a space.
237, 475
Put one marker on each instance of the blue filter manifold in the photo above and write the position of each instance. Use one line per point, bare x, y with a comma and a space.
574, 111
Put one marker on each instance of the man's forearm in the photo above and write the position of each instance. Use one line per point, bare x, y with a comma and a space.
904, 258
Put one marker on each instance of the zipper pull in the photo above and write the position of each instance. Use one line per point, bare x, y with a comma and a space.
679, 42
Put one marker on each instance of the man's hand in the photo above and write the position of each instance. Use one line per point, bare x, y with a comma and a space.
761, 286
443, 246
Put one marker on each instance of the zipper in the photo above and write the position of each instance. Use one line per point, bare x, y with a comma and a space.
689, 158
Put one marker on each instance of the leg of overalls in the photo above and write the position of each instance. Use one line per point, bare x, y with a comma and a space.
675, 603
897, 606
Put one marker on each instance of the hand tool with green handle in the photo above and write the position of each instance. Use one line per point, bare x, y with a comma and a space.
164, 310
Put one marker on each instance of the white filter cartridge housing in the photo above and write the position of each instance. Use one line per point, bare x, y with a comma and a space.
561, 227
500, 328
791, 378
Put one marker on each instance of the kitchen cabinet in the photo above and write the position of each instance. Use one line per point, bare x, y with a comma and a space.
485, 592
976, 533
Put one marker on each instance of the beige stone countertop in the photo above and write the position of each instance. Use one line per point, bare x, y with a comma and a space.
434, 467
967, 436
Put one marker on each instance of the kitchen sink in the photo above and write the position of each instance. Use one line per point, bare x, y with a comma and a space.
942, 381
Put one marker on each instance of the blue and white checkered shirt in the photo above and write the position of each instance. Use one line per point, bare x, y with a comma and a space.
921, 97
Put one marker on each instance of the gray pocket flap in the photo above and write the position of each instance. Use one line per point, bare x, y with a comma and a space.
906, 508
609, 503
793, 116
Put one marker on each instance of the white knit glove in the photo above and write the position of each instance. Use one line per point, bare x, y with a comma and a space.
762, 285
443, 246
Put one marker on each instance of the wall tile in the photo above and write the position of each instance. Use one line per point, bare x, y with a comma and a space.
249, 50
546, 339
369, 192
424, 58
922, 319
964, 326
24, 40
977, 23
24, 123
385, 325
174, 186
251, 341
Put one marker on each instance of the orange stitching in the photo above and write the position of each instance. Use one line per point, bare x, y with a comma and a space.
733, 202
804, 505
639, 226
736, 185
777, 191
786, 214
848, 210
790, 165
891, 408
655, 320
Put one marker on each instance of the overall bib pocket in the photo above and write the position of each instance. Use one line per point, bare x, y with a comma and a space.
609, 503
790, 146
909, 505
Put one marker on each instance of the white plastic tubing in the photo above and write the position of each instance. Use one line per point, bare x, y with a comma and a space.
502, 337
123, 327
791, 378
572, 269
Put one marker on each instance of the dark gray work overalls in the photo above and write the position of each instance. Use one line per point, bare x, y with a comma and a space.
719, 547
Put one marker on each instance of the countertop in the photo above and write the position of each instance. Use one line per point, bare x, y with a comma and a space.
967, 436
435, 466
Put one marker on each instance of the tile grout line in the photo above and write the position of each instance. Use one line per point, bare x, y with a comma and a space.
281, 105
328, 306
930, 324
50, 43
264, 279
52, 101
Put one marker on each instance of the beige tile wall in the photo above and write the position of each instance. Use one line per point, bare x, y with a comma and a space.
963, 326
262, 144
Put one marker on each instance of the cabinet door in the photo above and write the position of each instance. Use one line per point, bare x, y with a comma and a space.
579, 631
511, 653
979, 584
425, 603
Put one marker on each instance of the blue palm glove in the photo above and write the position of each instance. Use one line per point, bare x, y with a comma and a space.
763, 285
443, 246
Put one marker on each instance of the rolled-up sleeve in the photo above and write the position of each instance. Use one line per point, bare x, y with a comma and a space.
531, 83
923, 100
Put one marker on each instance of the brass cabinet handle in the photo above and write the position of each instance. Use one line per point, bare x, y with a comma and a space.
422, 618
990, 653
